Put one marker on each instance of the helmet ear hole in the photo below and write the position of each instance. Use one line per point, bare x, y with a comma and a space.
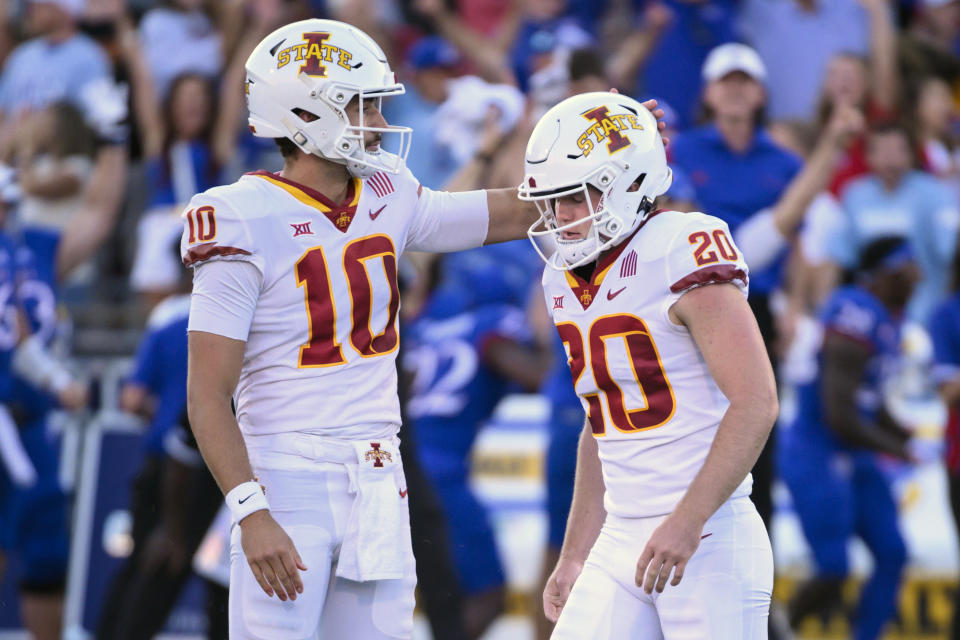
305, 115
637, 183
612, 227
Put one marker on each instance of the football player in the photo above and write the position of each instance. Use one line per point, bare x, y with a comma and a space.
671, 370
294, 316
832, 456
33, 381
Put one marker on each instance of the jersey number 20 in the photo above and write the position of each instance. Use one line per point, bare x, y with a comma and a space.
644, 361
322, 349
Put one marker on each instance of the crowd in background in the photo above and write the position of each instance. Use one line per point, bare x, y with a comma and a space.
835, 127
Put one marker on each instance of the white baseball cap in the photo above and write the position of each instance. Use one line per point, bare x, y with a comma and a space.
74, 7
731, 57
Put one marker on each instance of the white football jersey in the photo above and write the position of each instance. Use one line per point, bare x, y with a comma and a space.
650, 400
321, 349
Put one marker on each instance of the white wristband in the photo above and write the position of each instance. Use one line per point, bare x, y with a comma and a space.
246, 498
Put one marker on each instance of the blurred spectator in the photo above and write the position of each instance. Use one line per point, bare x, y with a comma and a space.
489, 17
694, 29
796, 39
896, 199
945, 331
929, 46
935, 116
68, 59
54, 153
431, 64
187, 140
829, 457
543, 30
469, 103
871, 85
105, 111
178, 37
738, 171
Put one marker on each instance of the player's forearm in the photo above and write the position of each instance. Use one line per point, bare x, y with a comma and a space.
789, 211
91, 226
740, 438
509, 217
843, 418
586, 511
218, 437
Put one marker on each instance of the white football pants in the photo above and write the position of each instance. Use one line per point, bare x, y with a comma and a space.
313, 507
724, 594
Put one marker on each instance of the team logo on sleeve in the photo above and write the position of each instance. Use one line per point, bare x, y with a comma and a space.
312, 53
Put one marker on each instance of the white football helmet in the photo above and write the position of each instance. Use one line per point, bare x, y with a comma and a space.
319, 66
605, 140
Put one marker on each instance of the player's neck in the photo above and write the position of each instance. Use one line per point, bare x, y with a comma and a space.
329, 178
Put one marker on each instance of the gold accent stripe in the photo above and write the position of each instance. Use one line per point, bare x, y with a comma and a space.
357, 186
297, 193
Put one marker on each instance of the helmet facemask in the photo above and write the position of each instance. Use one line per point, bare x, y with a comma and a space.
607, 227
349, 146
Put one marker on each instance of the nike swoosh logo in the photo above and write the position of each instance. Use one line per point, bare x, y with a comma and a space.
613, 294
248, 497
403, 493
706, 535
374, 214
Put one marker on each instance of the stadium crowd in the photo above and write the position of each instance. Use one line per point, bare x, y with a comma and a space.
826, 133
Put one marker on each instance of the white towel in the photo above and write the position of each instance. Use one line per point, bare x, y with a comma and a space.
376, 541
12, 453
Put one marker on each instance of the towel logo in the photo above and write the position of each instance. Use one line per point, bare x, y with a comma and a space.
377, 455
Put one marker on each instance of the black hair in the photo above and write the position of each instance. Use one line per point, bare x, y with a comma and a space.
287, 148
873, 255
585, 63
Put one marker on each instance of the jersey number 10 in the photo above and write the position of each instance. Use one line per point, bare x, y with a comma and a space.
647, 371
322, 349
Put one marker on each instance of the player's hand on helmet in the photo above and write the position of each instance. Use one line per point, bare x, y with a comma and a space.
558, 587
271, 555
651, 106
668, 549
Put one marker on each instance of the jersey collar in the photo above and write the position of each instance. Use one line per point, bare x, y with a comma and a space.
340, 215
585, 291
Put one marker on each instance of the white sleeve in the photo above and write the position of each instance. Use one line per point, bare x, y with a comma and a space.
702, 253
224, 298
445, 221
760, 240
824, 219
